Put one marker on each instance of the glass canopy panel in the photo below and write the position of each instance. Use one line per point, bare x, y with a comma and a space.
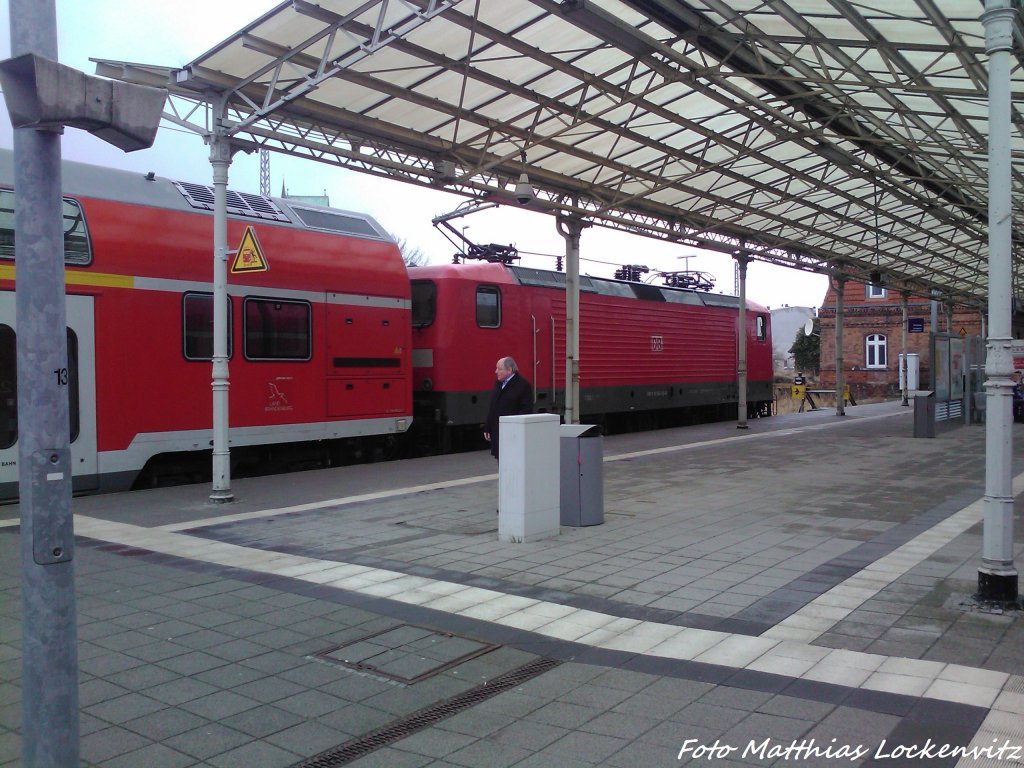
816, 99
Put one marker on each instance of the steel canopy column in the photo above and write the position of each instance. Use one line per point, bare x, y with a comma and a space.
997, 576
840, 287
49, 657
570, 229
904, 370
741, 342
220, 160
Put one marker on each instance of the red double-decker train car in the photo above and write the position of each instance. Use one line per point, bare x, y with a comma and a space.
649, 355
319, 305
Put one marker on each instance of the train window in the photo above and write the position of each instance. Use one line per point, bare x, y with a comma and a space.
76, 235
424, 303
8, 387
73, 410
197, 326
762, 328
276, 329
488, 306
333, 221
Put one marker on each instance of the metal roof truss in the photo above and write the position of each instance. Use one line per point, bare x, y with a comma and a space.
820, 134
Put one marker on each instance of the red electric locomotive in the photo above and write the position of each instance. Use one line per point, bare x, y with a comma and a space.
319, 307
650, 355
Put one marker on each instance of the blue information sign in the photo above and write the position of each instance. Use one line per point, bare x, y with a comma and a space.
915, 325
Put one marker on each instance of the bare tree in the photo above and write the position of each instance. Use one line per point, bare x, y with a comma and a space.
413, 256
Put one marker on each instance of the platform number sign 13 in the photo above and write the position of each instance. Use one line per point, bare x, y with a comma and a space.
657, 343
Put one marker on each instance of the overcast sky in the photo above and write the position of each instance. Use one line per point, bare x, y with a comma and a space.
174, 33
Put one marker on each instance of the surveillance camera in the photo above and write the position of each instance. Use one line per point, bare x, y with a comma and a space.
524, 191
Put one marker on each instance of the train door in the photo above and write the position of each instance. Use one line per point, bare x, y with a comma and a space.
81, 393
544, 384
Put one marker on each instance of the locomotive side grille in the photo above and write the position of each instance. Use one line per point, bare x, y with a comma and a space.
241, 204
367, 362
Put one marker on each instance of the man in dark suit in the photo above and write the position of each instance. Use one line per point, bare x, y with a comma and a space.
511, 396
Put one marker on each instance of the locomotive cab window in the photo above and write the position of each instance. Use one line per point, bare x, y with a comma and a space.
488, 306
197, 326
424, 303
76, 235
762, 328
277, 329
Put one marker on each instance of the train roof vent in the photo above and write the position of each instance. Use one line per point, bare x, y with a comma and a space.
238, 203
334, 221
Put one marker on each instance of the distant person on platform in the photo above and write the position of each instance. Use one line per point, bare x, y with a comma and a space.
511, 396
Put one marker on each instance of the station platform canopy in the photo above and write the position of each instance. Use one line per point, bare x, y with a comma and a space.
820, 134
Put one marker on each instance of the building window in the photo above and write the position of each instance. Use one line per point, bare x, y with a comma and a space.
875, 351
276, 329
488, 306
872, 291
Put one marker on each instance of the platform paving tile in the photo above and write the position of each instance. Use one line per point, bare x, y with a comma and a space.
104, 745
226, 650
252, 754
207, 740
392, 757
152, 756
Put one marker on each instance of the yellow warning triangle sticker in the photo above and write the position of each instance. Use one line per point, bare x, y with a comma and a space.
249, 256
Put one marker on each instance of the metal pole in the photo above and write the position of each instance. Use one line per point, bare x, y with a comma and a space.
570, 229
220, 160
49, 684
840, 282
904, 369
997, 576
741, 337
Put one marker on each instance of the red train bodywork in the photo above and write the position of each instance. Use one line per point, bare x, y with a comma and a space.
332, 308
643, 348
322, 340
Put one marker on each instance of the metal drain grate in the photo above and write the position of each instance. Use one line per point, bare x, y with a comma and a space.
410, 724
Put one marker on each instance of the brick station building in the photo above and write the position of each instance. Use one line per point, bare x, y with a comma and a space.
873, 337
